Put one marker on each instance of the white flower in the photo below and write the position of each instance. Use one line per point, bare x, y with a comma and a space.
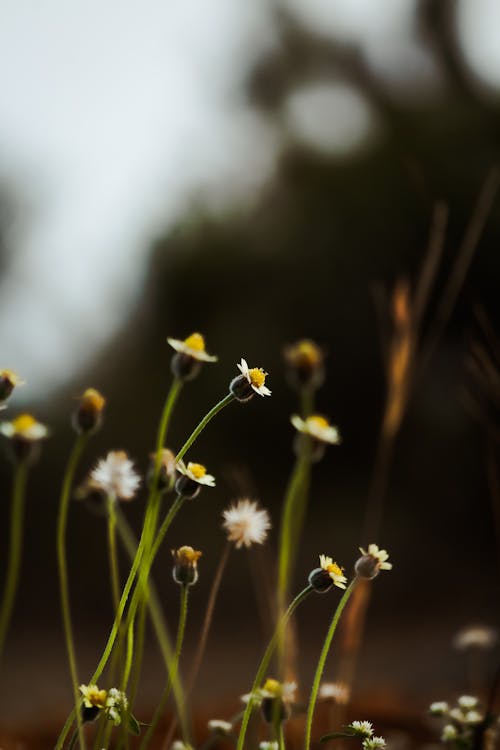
467, 701
116, 705
449, 733
196, 472
256, 377
380, 555
217, 725
475, 636
245, 524
374, 743
275, 689
268, 745
334, 571
438, 708
25, 427
337, 691
180, 745
363, 728
473, 717
317, 427
193, 346
116, 476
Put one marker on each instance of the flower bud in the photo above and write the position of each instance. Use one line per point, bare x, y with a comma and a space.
185, 570
372, 562
8, 381
320, 580
166, 470
24, 434
88, 416
304, 362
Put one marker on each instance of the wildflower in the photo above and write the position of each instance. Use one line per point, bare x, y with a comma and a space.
275, 699
304, 364
245, 524
116, 476
327, 575
8, 381
475, 636
373, 743
185, 570
24, 434
166, 469
467, 701
317, 427
94, 701
180, 745
449, 733
193, 477
336, 691
220, 727
439, 708
88, 416
190, 354
362, 728
373, 561
116, 706
251, 381
266, 745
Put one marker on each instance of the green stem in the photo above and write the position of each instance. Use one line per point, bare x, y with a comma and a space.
14, 562
113, 557
206, 419
175, 668
174, 509
281, 736
63, 575
322, 660
264, 664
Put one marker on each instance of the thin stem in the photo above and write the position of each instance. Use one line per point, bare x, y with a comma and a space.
172, 512
281, 736
113, 557
322, 660
14, 562
266, 659
181, 628
206, 419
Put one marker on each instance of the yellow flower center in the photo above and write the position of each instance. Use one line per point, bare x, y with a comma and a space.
257, 376
93, 399
308, 351
197, 470
195, 342
335, 569
186, 555
96, 697
273, 686
23, 423
10, 375
318, 421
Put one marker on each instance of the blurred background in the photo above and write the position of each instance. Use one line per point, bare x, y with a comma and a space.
259, 172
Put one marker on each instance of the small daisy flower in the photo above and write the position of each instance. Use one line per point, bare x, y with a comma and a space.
475, 636
220, 727
327, 575
24, 434
372, 562
439, 708
317, 427
193, 478
449, 733
246, 524
190, 354
304, 364
467, 701
276, 698
116, 476
88, 416
362, 728
336, 691
251, 381
373, 743
185, 570
94, 701
8, 381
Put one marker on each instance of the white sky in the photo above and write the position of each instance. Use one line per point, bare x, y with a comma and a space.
114, 114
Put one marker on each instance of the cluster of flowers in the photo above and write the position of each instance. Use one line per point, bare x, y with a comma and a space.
462, 721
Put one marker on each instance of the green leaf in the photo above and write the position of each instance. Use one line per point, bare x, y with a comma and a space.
338, 735
133, 725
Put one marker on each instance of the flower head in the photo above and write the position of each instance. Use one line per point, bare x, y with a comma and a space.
93, 697
268, 745
336, 691
162, 465
251, 381
24, 434
475, 636
88, 416
193, 346
372, 562
116, 476
246, 524
467, 701
8, 381
449, 733
276, 698
317, 427
116, 705
193, 478
220, 727
185, 570
334, 571
362, 728
439, 708
373, 743
305, 363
